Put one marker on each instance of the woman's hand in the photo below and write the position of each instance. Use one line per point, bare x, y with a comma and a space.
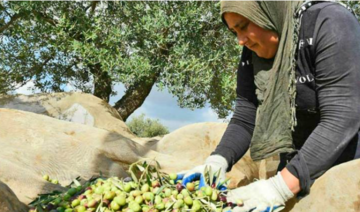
214, 164
263, 194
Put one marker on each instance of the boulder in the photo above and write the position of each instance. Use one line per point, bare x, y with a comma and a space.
75, 107
9, 202
195, 143
33, 145
337, 190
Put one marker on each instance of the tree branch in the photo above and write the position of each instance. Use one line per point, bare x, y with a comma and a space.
46, 18
12, 20
93, 6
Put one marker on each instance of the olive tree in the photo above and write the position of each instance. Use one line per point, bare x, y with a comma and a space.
181, 46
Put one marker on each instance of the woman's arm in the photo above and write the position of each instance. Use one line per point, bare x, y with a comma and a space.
337, 76
236, 139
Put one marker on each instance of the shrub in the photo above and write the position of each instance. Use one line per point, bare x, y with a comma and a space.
146, 127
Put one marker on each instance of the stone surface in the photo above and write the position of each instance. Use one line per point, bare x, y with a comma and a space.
71, 135
337, 190
195, 142
79, 108
9, 202
33, 145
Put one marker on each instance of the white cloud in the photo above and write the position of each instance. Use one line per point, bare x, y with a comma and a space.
27, 89
209, 115
163, 106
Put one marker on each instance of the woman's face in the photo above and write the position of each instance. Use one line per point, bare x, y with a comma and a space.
261, 41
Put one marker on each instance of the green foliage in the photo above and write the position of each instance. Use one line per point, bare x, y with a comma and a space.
183, 43
146, 127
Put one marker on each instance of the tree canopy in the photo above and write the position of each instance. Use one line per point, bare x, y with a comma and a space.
181, 46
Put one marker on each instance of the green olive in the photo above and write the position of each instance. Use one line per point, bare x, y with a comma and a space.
214, 195
155, 190
158, 200
175, 193
185, 192
66, 197
75, 203
173, 176
145, 208
167, 192
136, 193
145, 188
60, 209
109, 195
72, 191
92, 203
148, 196
179, 203
46, 177
127, 187
188, 200
130, 199
160, 206
180, 196
190, 186
57, 201
135, 206
133, 184
99, 190
114, 205
80, 208
139, 199
83, 201
196, 206
120, 200
79, 188
208, 191
168, 204
88, 192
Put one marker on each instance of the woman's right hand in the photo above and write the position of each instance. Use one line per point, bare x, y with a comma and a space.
214, 164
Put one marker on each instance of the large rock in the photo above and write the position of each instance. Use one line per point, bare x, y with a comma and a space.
337, 190
79, 108
195, 143
9, 202
33, 145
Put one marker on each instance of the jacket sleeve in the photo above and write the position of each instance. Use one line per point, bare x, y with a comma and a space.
236, 139
337, 78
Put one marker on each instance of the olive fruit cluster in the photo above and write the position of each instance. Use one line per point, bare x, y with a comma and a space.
124, 195
53, 181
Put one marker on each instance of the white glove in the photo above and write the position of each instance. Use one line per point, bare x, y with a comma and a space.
213, 163
261, 195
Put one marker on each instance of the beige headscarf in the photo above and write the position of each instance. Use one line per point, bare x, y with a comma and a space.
275, 84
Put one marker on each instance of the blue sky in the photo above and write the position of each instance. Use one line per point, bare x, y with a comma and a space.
163, 106
158, 105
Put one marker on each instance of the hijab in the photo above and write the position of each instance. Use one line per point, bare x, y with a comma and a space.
275, 81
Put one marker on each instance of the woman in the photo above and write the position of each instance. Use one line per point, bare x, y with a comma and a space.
297, 95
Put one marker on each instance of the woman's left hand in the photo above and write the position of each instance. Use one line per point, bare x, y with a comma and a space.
260, 195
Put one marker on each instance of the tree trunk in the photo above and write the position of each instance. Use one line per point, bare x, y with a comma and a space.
135, 96
102, 82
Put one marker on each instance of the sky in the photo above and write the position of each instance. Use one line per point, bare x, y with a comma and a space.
158, 105
163, 106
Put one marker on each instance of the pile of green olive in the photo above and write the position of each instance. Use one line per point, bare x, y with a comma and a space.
124, 195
